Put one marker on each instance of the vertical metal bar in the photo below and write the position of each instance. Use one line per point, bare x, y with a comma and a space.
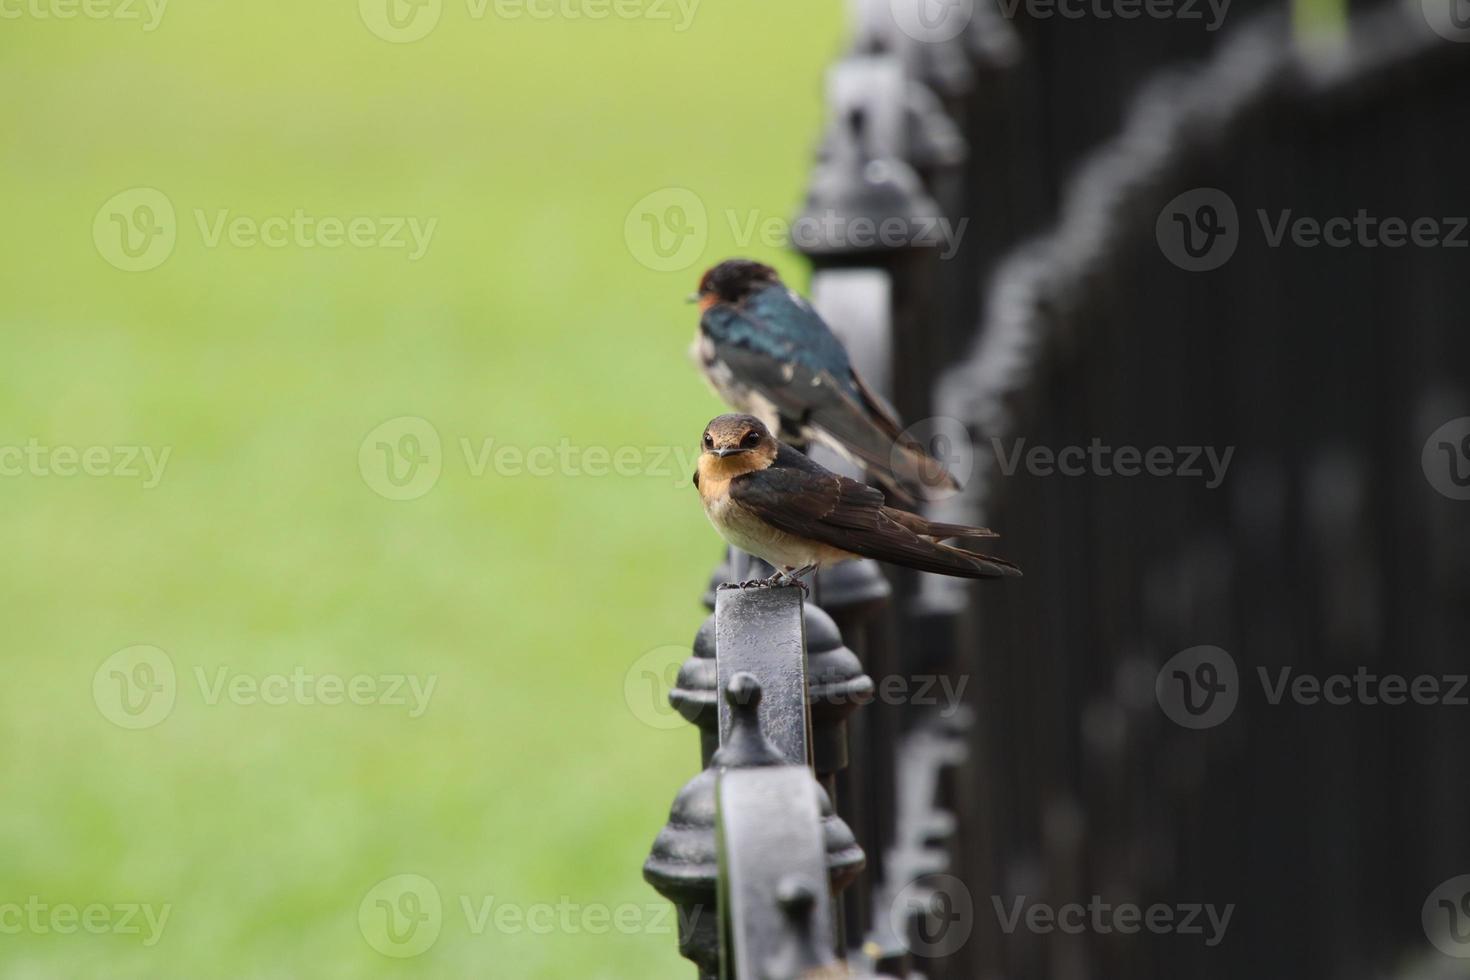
773, 872
760, 631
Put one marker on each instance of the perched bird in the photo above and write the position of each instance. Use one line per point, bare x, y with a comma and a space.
771, 501
767, 353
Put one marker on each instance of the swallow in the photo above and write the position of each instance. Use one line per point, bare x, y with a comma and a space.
767, 353
771, 501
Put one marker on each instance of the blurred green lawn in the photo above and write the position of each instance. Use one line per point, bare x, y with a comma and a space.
263, 550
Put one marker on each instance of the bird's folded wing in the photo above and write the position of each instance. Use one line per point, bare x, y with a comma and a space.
810, 502
803, 499
840, 513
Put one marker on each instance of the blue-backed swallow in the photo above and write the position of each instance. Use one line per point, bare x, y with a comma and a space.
767, 353
771, 501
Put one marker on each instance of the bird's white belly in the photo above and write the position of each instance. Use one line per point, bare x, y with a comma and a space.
752, 535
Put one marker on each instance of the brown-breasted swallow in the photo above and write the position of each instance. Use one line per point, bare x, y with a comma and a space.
766, 352
771, 501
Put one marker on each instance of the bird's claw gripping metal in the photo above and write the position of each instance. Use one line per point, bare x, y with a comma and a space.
750, 583
779, 580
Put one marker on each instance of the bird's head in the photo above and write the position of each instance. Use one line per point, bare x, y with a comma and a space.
733, 280
741, 442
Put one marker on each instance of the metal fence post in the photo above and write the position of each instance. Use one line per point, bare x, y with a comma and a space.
775, 821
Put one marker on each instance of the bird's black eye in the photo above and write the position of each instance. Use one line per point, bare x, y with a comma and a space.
752, 439
709, 439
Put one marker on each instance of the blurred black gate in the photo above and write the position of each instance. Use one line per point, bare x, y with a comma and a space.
1203, 349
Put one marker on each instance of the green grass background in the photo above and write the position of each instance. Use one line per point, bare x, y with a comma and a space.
263, 550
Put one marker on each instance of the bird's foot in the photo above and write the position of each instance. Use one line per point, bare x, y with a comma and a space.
783, 578
779, 580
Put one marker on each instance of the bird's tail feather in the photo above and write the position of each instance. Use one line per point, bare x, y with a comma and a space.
908, 548
950, 560
936, 530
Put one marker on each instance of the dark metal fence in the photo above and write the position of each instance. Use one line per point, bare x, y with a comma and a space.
1231, 455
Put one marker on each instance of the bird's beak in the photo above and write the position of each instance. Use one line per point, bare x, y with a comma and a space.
722, 453
692, 298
